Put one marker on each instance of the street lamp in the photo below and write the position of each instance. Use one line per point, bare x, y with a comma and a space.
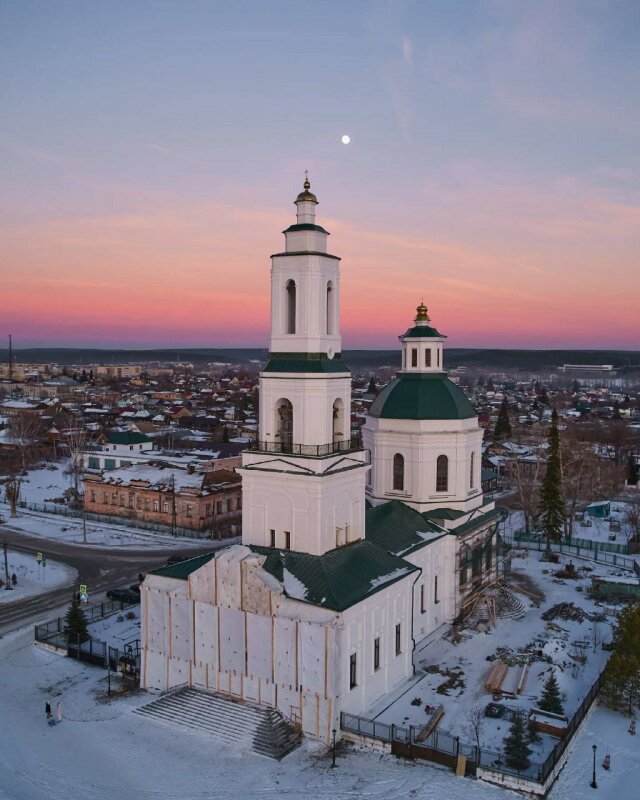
333, 749
594, 785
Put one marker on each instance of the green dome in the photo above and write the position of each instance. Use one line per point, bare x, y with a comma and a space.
422, 395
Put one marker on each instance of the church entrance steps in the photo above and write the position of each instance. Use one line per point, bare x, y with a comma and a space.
262, 730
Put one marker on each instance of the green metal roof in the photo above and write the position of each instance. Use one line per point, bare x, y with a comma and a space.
338, 579
305, 362
444, 513
422, 332
422, 395
399, 528
126, 437
476, 522
305, 226
183, 569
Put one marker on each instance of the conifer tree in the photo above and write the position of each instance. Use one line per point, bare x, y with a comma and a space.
75, 621
621, 687
373, 389
551, 502
516, 747
550, 700
503, 425
633, 472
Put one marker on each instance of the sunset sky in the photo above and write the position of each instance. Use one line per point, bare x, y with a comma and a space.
151, 152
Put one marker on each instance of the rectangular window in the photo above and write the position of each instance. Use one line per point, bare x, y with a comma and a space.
376, 653
422, 608
287, 540
487, 558
353, 673
189, 511
398, 639
122, 501
272, 538
130, 501
146, 504
219, 508
138, 503
427, 357
93, 496
229, 505
438, 354
208, 510
165, 507
156, 505
435, 589
105, 498
414, 356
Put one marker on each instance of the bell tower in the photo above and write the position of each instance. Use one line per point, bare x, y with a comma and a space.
303, 479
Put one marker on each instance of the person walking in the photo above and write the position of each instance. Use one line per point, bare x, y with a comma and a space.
47, 710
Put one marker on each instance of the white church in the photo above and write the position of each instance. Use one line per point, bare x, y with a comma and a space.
353, 549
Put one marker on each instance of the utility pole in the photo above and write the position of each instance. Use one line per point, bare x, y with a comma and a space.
7, 582
173, 504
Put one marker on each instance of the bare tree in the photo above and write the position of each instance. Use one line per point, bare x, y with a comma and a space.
12, 493
76, 439
474, 724
527, 476
632, 517
26, 430
597, 636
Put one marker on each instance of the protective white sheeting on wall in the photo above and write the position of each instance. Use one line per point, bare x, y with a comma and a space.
259, 650
179, 672
154, 671
286, 653
157, 620
206, 636
202, 583
313, 656
232, 646
181, 628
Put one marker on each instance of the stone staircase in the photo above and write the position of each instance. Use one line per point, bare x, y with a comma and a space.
260, 729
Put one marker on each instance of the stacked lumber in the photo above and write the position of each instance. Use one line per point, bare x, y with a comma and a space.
523, 679
496, 676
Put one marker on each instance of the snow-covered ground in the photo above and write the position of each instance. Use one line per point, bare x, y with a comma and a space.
591, 528
69, 529
118, 629
455, 674
102, 751
33, 579
46, 483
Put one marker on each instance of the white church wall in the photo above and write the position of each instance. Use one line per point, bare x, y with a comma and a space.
436, 561
376, 616
319, 514
420, 442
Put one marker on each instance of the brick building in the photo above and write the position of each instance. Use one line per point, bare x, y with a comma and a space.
168, 495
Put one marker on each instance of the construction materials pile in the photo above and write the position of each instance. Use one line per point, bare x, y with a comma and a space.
569, 611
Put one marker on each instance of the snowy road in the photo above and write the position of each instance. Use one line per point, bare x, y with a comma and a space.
104, 751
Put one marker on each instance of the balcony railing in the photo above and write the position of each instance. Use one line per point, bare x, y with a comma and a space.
309, 450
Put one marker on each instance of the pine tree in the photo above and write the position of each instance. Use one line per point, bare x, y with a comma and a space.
576, 386
633, 472
516, 748
373, 389
225, 434
621, 687
550, 700
503, 425
551, 502
75, 621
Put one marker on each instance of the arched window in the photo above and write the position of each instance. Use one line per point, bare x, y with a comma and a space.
339, 432
330, 311
442, 474
398, 472
472, 461
284, 426
291, 307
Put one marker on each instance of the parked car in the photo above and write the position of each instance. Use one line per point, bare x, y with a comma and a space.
125, 594
175, 559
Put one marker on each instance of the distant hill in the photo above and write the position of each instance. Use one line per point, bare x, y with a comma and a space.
484, 358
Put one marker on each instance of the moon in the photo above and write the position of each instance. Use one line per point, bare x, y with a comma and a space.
346, 139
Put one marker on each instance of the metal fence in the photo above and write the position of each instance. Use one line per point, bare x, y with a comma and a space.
310, 450
599, 554
126, 522
444, 747
90, 650
582, 544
